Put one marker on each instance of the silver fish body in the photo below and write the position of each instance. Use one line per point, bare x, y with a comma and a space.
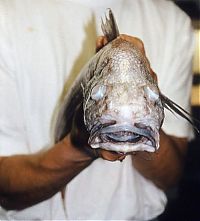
123, 109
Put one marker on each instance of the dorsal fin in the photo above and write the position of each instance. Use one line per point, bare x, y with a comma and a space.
110, 28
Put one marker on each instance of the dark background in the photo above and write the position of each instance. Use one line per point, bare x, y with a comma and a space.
184, 200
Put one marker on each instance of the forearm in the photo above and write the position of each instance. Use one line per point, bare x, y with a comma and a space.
166, 165
29, 179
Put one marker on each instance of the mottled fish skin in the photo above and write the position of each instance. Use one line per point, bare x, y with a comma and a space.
123, 108
123, 94
117, 90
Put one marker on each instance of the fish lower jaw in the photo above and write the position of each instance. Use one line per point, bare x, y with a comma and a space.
125, 148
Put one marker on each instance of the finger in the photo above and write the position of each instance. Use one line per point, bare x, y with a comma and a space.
140, 45
100, 42
135, 41
111, 155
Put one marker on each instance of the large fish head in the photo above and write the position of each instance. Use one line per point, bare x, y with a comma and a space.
123, 111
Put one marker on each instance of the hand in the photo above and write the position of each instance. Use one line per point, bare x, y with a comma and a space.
79, 138
102, 41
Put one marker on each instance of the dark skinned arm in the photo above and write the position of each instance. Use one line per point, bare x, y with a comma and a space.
165, 167
26, 180
30, 179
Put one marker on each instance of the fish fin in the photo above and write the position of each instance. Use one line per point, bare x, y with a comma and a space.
175, 108
63, 191
110, 28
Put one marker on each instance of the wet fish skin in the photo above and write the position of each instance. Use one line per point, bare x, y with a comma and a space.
114, 88
125, 94
123, 108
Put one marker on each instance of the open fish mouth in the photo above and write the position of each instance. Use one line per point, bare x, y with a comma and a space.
122, 136
125, 138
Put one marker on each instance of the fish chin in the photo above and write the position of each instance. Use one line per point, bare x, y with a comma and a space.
125, 138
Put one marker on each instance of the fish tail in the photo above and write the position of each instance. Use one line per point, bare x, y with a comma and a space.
109, 27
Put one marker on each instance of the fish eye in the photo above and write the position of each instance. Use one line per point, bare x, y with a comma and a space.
98, 92
152, 95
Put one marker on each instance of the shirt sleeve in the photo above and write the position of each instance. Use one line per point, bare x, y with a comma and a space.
176, 79
12, 131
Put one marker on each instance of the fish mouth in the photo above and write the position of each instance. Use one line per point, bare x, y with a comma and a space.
125, 138
122, 136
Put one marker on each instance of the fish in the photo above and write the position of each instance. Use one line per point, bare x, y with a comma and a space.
122, 105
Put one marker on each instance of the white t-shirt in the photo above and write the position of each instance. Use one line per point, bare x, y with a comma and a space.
43, 43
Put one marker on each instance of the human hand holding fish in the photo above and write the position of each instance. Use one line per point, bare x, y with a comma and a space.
79, 133
108, 113
122, 106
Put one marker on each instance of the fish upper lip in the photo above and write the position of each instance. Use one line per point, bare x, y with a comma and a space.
111, 130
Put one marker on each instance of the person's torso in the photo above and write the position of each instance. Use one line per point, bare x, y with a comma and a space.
53, 41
